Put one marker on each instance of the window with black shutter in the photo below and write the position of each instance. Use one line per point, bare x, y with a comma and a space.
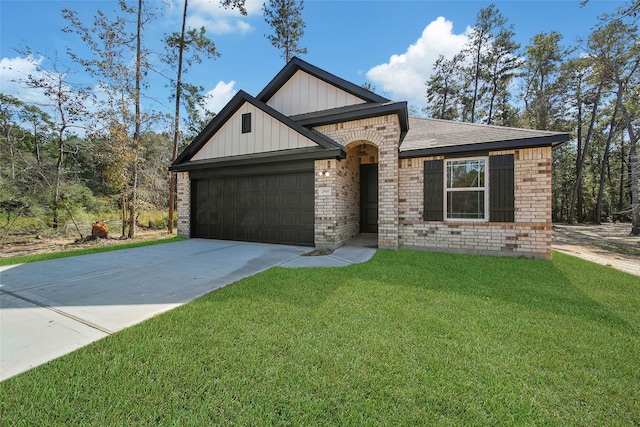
456, 189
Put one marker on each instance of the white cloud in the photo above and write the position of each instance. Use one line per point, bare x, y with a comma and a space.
218, 97
13, 74
404, 76
218, 20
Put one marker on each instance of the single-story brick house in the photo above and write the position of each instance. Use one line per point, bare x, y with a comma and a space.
316, 160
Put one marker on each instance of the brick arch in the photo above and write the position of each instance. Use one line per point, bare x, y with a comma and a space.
357, 142
360, 136
366, 152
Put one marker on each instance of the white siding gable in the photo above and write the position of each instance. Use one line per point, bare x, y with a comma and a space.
303, 93
267, 134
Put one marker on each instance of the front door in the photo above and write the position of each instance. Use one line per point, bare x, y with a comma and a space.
369, 198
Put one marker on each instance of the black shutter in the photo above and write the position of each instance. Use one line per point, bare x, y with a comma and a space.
433, 190
501, 188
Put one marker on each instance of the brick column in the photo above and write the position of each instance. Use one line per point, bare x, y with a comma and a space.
388, 185
183, 191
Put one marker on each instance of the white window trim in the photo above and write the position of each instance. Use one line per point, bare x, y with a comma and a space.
446, 190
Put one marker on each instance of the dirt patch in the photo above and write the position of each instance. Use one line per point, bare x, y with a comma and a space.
319, 252
12, 246
607, 244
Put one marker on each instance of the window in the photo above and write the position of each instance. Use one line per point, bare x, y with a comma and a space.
465, 187
471, 189
246, 123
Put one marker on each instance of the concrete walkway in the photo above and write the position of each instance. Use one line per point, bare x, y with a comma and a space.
50, 308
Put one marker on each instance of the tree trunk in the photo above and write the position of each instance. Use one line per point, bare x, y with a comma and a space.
56, 187
476, 81
176, 122
622, 168
136, 134
577, 190
633, 165
605, 157
577, 187
123, 201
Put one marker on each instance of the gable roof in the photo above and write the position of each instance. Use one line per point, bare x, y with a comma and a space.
230, 109
297, 64
428, 137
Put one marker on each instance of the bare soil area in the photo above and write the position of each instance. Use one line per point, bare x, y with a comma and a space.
607, 244
12, 246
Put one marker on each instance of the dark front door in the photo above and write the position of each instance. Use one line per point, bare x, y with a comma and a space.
369, 198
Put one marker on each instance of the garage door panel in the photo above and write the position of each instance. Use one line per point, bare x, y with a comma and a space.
243, 200
215, 187
288, 198
306, 181
306, 235
272, 217
227, 233
272, 200
288, 236
305, 217
277, 208
256, 234
273, 182
287, 217
258, 201
305, 199
240, 233
258, 183
228, 217
256, 217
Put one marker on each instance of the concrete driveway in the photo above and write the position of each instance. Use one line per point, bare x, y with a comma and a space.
50, 308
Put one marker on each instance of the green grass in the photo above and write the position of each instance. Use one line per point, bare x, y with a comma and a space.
84, 251
409, 338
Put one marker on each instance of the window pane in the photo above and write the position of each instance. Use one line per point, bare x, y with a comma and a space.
465, 204
465, 173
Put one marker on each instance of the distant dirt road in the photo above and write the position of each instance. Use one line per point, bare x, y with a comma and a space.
606, 244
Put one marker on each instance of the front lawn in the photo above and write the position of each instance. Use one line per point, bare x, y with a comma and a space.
409, 338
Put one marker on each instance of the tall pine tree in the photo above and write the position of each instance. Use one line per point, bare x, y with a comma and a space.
284, 17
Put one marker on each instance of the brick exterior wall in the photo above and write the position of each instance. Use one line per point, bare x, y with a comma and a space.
183, 193
334, 227
528, 236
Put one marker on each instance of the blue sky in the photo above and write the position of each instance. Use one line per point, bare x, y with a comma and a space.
389, 43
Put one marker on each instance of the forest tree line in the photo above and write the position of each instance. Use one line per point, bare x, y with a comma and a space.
590, 90
88, 152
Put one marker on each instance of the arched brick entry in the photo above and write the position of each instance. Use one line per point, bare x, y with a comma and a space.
338, 181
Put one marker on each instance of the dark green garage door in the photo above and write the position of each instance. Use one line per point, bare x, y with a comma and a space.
277, 208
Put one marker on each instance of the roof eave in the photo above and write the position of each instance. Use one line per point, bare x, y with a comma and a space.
259, 158
544, 141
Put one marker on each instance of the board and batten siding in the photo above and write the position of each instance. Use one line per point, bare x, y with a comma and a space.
304, 93
267, 134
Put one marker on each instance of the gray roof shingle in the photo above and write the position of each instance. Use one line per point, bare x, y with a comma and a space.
434, 136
